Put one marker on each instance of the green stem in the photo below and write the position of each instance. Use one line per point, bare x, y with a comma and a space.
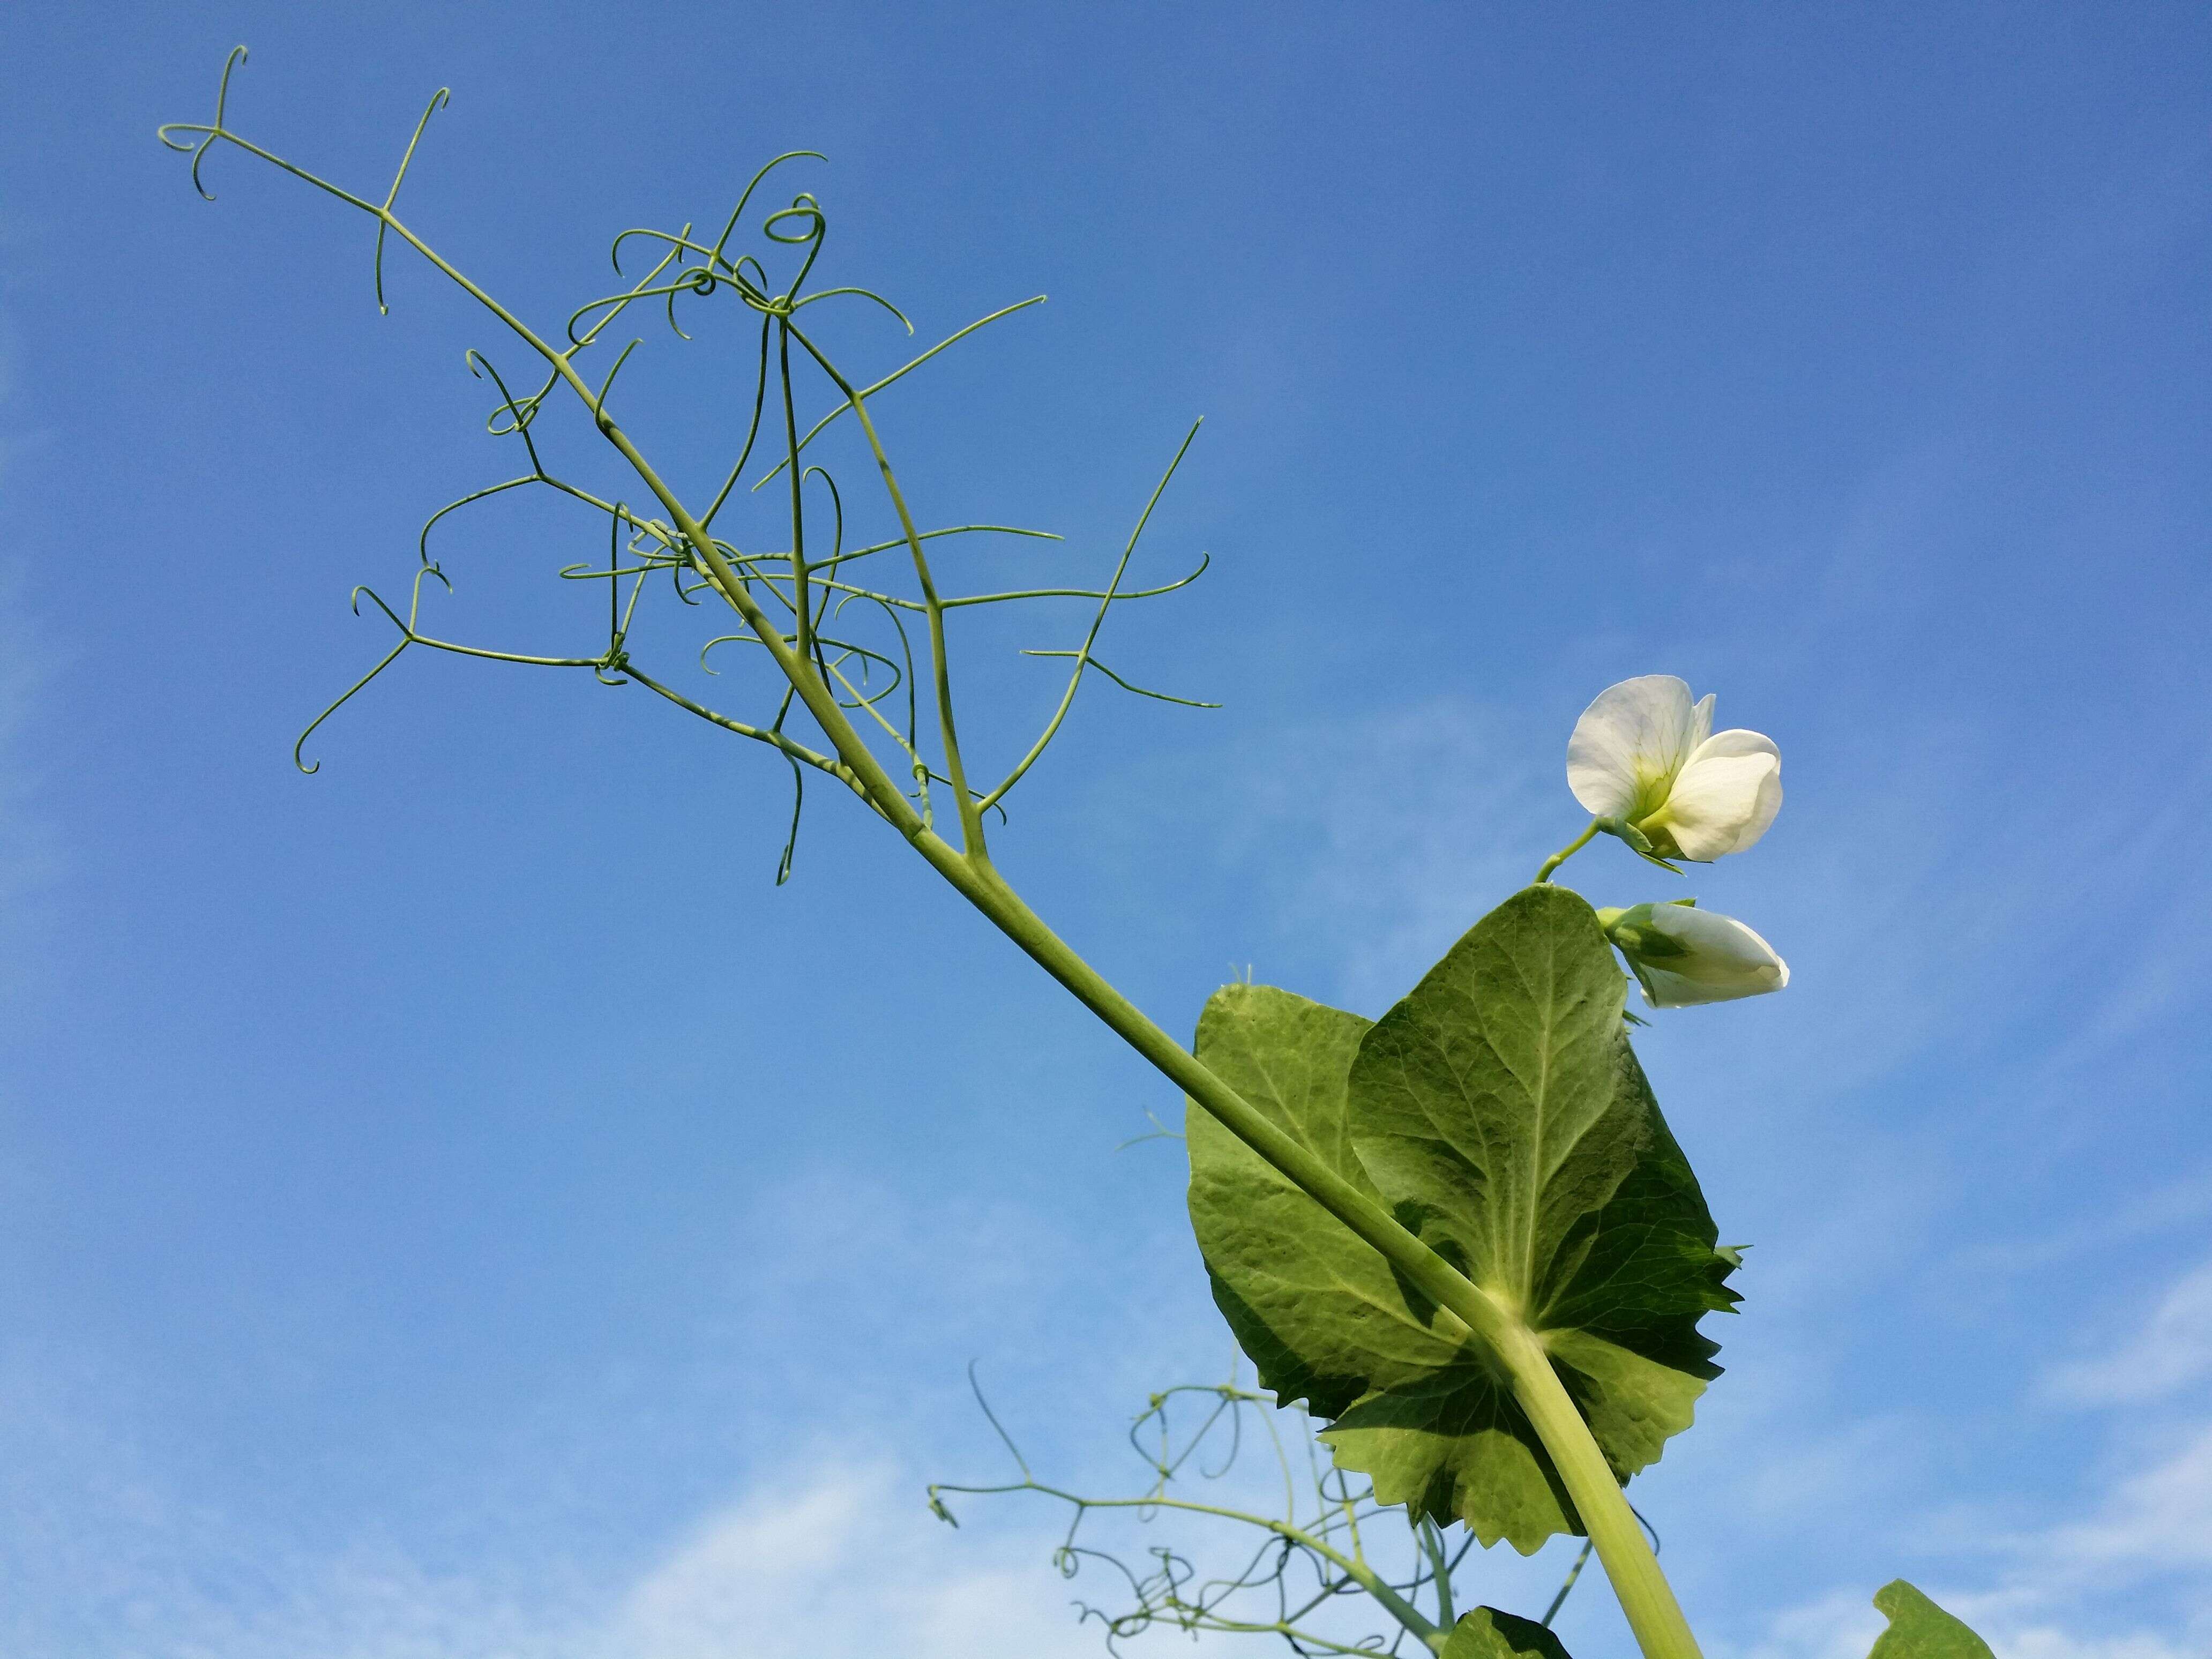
1614, 1532
1433, 1544
971, 812
1567, 852
802, 602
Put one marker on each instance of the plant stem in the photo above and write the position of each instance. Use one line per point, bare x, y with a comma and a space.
1645, 1598
971, 812
1567, 852
1614, 1532
1432, 1545
1652, 1612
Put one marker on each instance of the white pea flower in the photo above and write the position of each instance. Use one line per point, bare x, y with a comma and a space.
1644, 755
1681, 956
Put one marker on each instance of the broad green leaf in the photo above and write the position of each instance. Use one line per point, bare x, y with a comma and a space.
1486, 1634
1918, 1629
1314, 1307
1500, 1113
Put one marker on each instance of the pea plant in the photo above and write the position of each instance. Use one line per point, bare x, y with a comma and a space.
1460, 1237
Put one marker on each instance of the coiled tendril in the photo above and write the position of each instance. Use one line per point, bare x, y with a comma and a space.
802, 606
1331, 1570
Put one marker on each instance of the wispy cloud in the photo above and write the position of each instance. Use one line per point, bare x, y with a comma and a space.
2157, 1519
844, 1563
2172, 1350
1386, 836
1836, 1626
821, 1547
2126, 1575
2178, 1204
841, 1562
2128, 1582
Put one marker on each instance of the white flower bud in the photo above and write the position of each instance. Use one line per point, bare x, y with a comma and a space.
1682, 956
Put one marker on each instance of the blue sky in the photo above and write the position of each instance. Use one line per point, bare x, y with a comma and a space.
456, 1205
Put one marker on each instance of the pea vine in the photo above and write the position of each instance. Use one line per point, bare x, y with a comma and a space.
1461, 1237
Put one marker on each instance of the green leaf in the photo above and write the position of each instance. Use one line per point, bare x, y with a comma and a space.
1918, 1629
1486, 1634
1501, 1115
1317, 1310
1500, 1110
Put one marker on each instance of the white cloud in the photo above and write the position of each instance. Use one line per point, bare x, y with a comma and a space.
1844, 1626
2172, 1350
2178, 1203
2157, 1519
2013, 1622
2129, 1582
2128, 1577
1836, 1626
1408, 826
836, 1557
2046, 1642
847, 1562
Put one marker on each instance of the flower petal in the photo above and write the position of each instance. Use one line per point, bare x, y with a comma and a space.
1726, 797
1736, 741
1701, 722
1630, 743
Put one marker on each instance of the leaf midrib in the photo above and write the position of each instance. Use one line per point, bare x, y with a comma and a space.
1539, 1169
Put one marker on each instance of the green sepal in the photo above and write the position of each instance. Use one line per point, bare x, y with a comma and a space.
1636, 840
1642, 845
1486, 1634
1632, 930
1424, 1111
1918, 1629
